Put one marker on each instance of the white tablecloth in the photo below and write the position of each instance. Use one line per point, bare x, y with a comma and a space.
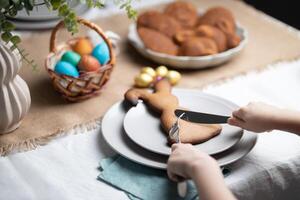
66, 168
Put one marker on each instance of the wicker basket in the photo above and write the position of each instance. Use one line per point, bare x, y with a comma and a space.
88, 84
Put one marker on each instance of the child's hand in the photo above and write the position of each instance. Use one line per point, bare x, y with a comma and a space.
186, 161
257, 117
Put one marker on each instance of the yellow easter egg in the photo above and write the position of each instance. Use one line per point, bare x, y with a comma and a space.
83, 47
173, 76
161, 71
143, 80
149, 70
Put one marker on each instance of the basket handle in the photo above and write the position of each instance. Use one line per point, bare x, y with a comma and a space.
114, 39
87, 23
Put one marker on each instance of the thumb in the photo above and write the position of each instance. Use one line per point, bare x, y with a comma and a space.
173, 176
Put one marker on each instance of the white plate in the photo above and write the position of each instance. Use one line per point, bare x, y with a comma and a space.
143, 127
34, 25
114, 135
187, 62
46, 22
42, 12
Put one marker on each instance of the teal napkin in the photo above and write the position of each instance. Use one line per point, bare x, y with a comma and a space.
141, 182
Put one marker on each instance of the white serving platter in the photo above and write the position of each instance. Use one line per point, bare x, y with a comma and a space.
187, 62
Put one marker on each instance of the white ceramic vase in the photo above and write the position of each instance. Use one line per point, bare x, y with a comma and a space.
14, 93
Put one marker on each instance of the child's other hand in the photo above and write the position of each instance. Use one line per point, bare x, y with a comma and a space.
185, 161
257, 117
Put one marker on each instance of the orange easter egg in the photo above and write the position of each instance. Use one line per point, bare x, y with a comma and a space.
88, 63
83, 46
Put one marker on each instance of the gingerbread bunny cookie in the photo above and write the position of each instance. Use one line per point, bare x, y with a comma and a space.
163, 102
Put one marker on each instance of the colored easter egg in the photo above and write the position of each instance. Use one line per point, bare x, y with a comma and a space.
83, 46
161, 71
71, 57
65, 68
89, 63
101, 52
173, 76
149, 70
143, 80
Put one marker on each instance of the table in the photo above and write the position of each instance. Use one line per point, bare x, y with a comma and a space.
67, 167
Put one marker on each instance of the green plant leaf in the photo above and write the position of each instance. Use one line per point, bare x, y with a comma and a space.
72, 16
56, 4
7, 26
12, 12
4, 3
47, 3
63, 10
15, 39
6, 36
99, 5
28, 5
19, 7
16, 2
122, 6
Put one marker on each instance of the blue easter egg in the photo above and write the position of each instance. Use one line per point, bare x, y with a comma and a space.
71, 57
101, 52
65, 68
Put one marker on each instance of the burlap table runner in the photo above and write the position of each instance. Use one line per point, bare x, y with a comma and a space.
50, 115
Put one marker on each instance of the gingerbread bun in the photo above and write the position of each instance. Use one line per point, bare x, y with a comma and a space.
233, 40
144, 19
219, 17
198, 46
184, 12
183, 35
214, 33
157, 41
222, 19
159, 21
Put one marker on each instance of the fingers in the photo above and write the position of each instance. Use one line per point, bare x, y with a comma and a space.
240, 113
181, 156
172, 171
171, 175
171, 168
174, 177
236, 122
174, 146
174, 164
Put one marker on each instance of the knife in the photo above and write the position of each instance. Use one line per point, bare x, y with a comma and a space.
199, 117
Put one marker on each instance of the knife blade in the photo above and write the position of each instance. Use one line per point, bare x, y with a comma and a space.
199, 117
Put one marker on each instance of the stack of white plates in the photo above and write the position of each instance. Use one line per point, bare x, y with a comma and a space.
43, 18
135, 131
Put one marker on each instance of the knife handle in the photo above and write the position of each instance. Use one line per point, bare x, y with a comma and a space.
182, 188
